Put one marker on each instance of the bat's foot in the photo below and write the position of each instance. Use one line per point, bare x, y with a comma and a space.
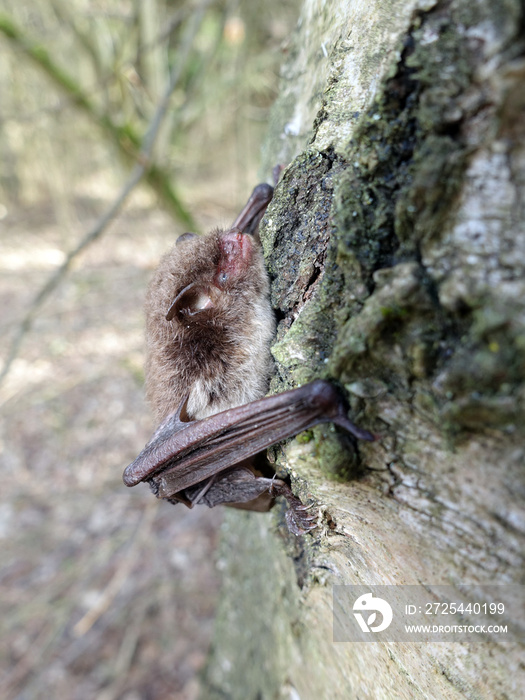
300, 523
299, 517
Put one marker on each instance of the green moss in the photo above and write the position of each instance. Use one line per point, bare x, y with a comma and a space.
393, 312
392, 188
336, 453
477, 412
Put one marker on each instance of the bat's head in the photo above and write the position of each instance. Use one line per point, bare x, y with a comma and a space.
218, 275
209, 324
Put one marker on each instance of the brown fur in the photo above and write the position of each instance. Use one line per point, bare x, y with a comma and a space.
215, 359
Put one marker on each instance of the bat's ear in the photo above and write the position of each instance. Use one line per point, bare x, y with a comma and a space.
193, 299
185, 237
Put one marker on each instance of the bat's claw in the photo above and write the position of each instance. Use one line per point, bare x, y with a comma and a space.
303, 507
298, 524
298, 518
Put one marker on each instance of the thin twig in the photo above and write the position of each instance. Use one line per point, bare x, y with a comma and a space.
123, 136
142, 166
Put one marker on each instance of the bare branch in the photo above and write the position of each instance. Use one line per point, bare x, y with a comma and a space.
142, 166
124, 136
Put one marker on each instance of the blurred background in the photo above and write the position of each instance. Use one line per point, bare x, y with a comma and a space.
105, 592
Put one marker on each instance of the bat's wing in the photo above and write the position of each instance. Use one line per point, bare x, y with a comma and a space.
182, 454
239, 486
249, 218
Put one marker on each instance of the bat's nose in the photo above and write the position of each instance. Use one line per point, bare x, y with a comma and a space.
236, 252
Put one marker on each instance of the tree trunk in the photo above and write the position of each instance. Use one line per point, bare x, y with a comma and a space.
396, 246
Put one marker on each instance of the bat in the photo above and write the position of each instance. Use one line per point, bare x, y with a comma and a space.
209, 325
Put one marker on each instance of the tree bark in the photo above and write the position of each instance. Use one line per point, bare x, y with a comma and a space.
396, 247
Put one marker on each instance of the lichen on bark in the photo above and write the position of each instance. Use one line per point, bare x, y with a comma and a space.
396, 247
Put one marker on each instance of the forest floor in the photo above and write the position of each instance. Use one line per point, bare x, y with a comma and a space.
104, 592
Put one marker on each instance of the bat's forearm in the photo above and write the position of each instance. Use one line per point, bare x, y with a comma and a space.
187, 453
